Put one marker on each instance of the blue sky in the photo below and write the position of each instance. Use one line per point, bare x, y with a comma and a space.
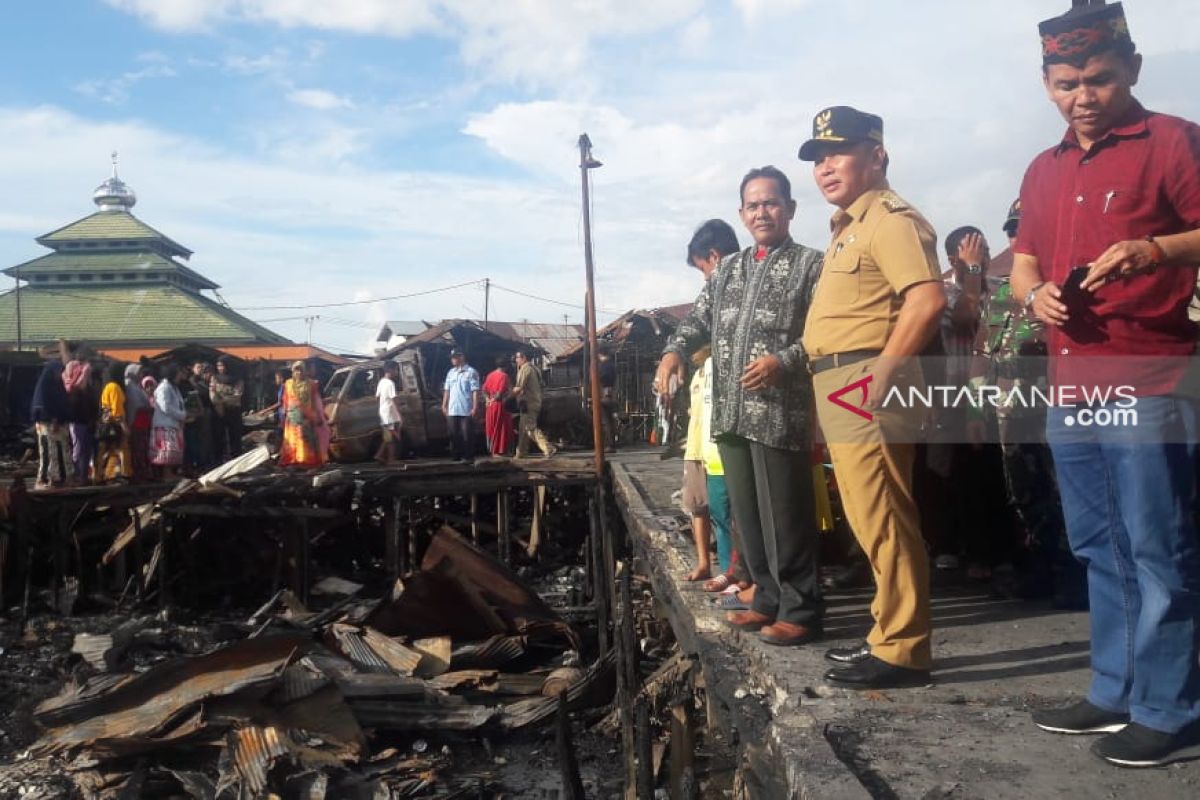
313, 151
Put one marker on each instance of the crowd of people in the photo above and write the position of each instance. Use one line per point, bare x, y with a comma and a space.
804, 353
101, 421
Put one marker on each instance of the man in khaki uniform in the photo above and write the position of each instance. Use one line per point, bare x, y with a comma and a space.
528, 392
876, 306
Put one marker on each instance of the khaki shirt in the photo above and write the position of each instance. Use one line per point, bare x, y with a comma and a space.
529, 381
881, 246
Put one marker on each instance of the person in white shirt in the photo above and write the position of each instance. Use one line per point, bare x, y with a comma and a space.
389, 413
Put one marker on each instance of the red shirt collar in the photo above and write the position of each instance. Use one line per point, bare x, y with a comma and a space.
1132, 123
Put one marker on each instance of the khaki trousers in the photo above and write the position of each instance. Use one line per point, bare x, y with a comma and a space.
873, 462
527, 429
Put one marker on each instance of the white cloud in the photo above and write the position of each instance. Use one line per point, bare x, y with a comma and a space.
177, 15
755, 11
696, 36
383, 17
319, 99
115, 91
681, 97
265, 64
539, 41
299, 231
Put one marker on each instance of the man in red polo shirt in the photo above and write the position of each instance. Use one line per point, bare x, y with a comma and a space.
1107, 256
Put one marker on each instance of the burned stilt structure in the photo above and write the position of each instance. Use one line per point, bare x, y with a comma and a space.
259, 631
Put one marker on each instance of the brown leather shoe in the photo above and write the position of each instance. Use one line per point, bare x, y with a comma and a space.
785, 634
748, 620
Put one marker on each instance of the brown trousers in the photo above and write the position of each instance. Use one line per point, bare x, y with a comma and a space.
873, 462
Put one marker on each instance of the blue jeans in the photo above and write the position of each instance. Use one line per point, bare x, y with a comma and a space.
1127, 496
722, 518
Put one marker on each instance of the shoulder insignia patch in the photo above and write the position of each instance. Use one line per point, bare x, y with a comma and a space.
892, 202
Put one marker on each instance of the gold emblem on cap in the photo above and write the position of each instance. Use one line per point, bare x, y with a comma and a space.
822, 124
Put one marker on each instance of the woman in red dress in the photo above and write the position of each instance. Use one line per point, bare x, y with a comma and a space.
498, 423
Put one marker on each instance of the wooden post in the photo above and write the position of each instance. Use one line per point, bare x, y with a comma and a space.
139, 554
297, 545
164, 582
62, 533
475, 519
645, 750
567, 762
601, 584
504, 541
391, 537
536, 532
626, 685
411, 557
682, 780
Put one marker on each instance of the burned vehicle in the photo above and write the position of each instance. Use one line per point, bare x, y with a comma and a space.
353, 411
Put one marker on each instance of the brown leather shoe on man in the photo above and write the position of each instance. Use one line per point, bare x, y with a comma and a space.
748, 620
785, 634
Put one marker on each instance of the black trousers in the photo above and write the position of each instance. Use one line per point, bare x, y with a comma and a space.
771, 493
227, 435
460, 437
1033, 491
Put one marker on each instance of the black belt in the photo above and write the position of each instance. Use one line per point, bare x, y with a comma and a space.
840, 360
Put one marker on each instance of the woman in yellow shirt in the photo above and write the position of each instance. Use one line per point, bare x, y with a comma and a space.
113, 460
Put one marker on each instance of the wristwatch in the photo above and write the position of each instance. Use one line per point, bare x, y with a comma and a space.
1032, 293
974, 269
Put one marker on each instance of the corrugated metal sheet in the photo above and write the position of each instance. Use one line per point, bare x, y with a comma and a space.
660, 320
146, 706
299, 681
375, 652
554, 339
494, 652
253, 751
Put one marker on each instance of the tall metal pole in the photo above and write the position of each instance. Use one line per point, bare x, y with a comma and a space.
586, 162
18, 290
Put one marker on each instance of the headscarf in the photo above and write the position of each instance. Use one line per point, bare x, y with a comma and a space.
76, 375
135, 398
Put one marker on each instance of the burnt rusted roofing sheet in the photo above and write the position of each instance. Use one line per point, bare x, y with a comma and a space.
253, 750
149, 704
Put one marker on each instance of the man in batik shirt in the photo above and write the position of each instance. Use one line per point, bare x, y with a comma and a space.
752, 311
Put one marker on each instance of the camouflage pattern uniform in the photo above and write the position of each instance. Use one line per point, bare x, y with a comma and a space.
1015, 349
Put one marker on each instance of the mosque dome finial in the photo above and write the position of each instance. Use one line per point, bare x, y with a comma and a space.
113, 194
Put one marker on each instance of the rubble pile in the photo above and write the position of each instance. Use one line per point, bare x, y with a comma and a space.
340, 702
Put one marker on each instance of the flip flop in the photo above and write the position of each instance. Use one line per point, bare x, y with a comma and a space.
719, 583
730, 602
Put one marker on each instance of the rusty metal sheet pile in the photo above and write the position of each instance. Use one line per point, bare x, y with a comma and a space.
295, 713
150, 703
293, 699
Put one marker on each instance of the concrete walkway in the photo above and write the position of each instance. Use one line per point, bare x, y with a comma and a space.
967, 735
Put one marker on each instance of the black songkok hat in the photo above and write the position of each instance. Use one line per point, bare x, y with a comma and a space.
1090, 27
1014, 217
841, 125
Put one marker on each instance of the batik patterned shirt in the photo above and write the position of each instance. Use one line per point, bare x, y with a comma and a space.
752, 308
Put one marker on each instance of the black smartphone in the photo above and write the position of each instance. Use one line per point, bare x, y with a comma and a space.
1073, 294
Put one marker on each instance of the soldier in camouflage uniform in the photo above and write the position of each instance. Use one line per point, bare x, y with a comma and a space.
1015, 350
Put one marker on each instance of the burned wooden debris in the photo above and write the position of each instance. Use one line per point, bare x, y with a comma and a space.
295, 708
353, 622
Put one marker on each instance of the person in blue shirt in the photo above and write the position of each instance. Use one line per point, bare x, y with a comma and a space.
460, 402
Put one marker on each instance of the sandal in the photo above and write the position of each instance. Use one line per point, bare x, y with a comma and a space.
731, 602
719, 583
